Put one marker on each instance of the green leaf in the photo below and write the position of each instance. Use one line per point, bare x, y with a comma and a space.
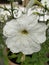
12, 56
19, 57
28, 59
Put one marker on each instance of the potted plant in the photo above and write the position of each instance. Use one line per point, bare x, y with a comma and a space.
24, 37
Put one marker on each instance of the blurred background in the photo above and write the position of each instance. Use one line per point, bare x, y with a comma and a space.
8, 1
20, 2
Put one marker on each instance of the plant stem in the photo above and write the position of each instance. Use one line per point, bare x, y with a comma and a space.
12, 9
22, 59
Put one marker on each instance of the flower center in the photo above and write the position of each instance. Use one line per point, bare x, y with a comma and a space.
24, 31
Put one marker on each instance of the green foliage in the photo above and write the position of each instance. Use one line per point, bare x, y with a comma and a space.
1, 53
12, 56
1, 40
5, 58
19, 57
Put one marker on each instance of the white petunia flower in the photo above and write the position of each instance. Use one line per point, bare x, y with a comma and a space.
4, 16
19, 11
35, 9
25, 34
45, 2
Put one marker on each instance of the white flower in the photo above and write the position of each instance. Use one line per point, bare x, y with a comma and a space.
25, 34
45, 2
19, 11
35, 9
44, 18
4, 15
2, 18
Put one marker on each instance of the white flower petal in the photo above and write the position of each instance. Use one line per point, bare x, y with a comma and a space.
29, 46
13, 44
38, 33
10, 29
32, 19
40, 27
40, 37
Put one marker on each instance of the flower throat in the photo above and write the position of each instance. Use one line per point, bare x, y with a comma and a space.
24, 31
